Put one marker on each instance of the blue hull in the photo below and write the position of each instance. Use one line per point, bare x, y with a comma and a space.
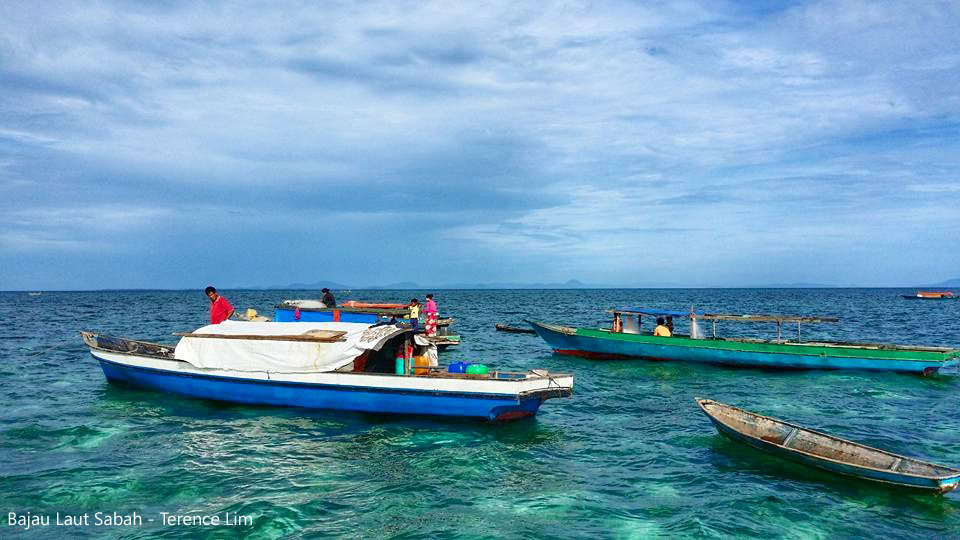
837, 467
325, 396
616, 347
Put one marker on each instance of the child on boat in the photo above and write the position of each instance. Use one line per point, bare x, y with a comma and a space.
661, 329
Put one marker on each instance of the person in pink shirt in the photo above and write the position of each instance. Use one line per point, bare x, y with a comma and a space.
430, 326
220, 308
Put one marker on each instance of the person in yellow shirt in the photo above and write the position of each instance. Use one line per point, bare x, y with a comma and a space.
414, 314
661, 329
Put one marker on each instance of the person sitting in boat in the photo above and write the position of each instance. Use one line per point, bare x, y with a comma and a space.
617, 325
414, 313
661, 329
220, 308
328, 299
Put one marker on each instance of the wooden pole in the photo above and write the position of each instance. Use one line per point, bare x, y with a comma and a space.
407, 360
332, 338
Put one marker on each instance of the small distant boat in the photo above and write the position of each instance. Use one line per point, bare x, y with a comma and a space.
339, 366
931, 295
360, 312
624, 339
35, 293
515, 329
824, 451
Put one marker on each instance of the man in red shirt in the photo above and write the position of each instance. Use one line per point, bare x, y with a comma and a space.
220, 308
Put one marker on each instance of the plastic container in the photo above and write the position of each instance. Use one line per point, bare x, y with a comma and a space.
457, 367
401, 368
421, 365
477, 369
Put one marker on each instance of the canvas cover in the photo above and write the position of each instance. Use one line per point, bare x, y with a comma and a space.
281, 356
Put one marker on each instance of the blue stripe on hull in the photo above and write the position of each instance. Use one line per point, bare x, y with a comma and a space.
840, 468
322, 396
288, 315
597, 346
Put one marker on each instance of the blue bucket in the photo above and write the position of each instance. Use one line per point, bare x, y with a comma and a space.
457, 367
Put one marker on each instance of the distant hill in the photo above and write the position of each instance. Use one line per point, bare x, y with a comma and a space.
316, 286
569, 284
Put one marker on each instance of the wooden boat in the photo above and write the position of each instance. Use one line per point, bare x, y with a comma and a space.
824, 451
625, 340
340, 366
514, 329
360, 312
932, 295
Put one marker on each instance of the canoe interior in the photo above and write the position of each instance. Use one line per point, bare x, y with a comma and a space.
821, 445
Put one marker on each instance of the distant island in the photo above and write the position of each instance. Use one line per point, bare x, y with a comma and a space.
576, 284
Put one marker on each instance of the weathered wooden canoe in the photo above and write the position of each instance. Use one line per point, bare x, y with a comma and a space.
515, 329
824, 451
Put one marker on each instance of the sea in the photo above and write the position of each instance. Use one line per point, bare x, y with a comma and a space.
629, 455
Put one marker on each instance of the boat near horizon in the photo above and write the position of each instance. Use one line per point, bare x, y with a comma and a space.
813, 448
931, 295
324, 365
624, 339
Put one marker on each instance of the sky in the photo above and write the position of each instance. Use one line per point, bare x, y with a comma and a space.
686, 143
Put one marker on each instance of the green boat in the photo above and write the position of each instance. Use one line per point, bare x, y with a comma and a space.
625, 340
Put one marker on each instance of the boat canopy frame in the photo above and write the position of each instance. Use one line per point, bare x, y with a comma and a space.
714, 317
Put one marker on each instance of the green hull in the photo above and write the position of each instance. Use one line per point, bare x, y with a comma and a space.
601, 343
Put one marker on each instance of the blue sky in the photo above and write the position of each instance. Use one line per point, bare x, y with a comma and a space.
177, 144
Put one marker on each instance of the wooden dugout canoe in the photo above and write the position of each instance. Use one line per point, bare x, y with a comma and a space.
827, 452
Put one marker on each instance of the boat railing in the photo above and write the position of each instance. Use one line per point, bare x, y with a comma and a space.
129, 346
779, 320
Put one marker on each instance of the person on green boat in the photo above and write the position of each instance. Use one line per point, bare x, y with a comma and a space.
661, 329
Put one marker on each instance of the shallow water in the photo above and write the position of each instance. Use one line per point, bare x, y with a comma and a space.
628, 456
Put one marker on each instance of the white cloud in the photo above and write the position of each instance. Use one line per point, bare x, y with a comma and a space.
593, 128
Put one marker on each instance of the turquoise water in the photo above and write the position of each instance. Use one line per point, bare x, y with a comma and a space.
628, 456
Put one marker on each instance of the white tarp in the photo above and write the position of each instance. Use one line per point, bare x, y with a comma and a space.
281, 356
306, 304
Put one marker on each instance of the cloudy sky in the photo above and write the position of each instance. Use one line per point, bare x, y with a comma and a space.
697, 143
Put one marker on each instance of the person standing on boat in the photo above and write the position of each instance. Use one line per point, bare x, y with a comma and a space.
430, 326
220, 308
328, 299
661, 329
414, 314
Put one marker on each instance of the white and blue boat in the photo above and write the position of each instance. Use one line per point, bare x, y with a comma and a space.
324, 365
827, 452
